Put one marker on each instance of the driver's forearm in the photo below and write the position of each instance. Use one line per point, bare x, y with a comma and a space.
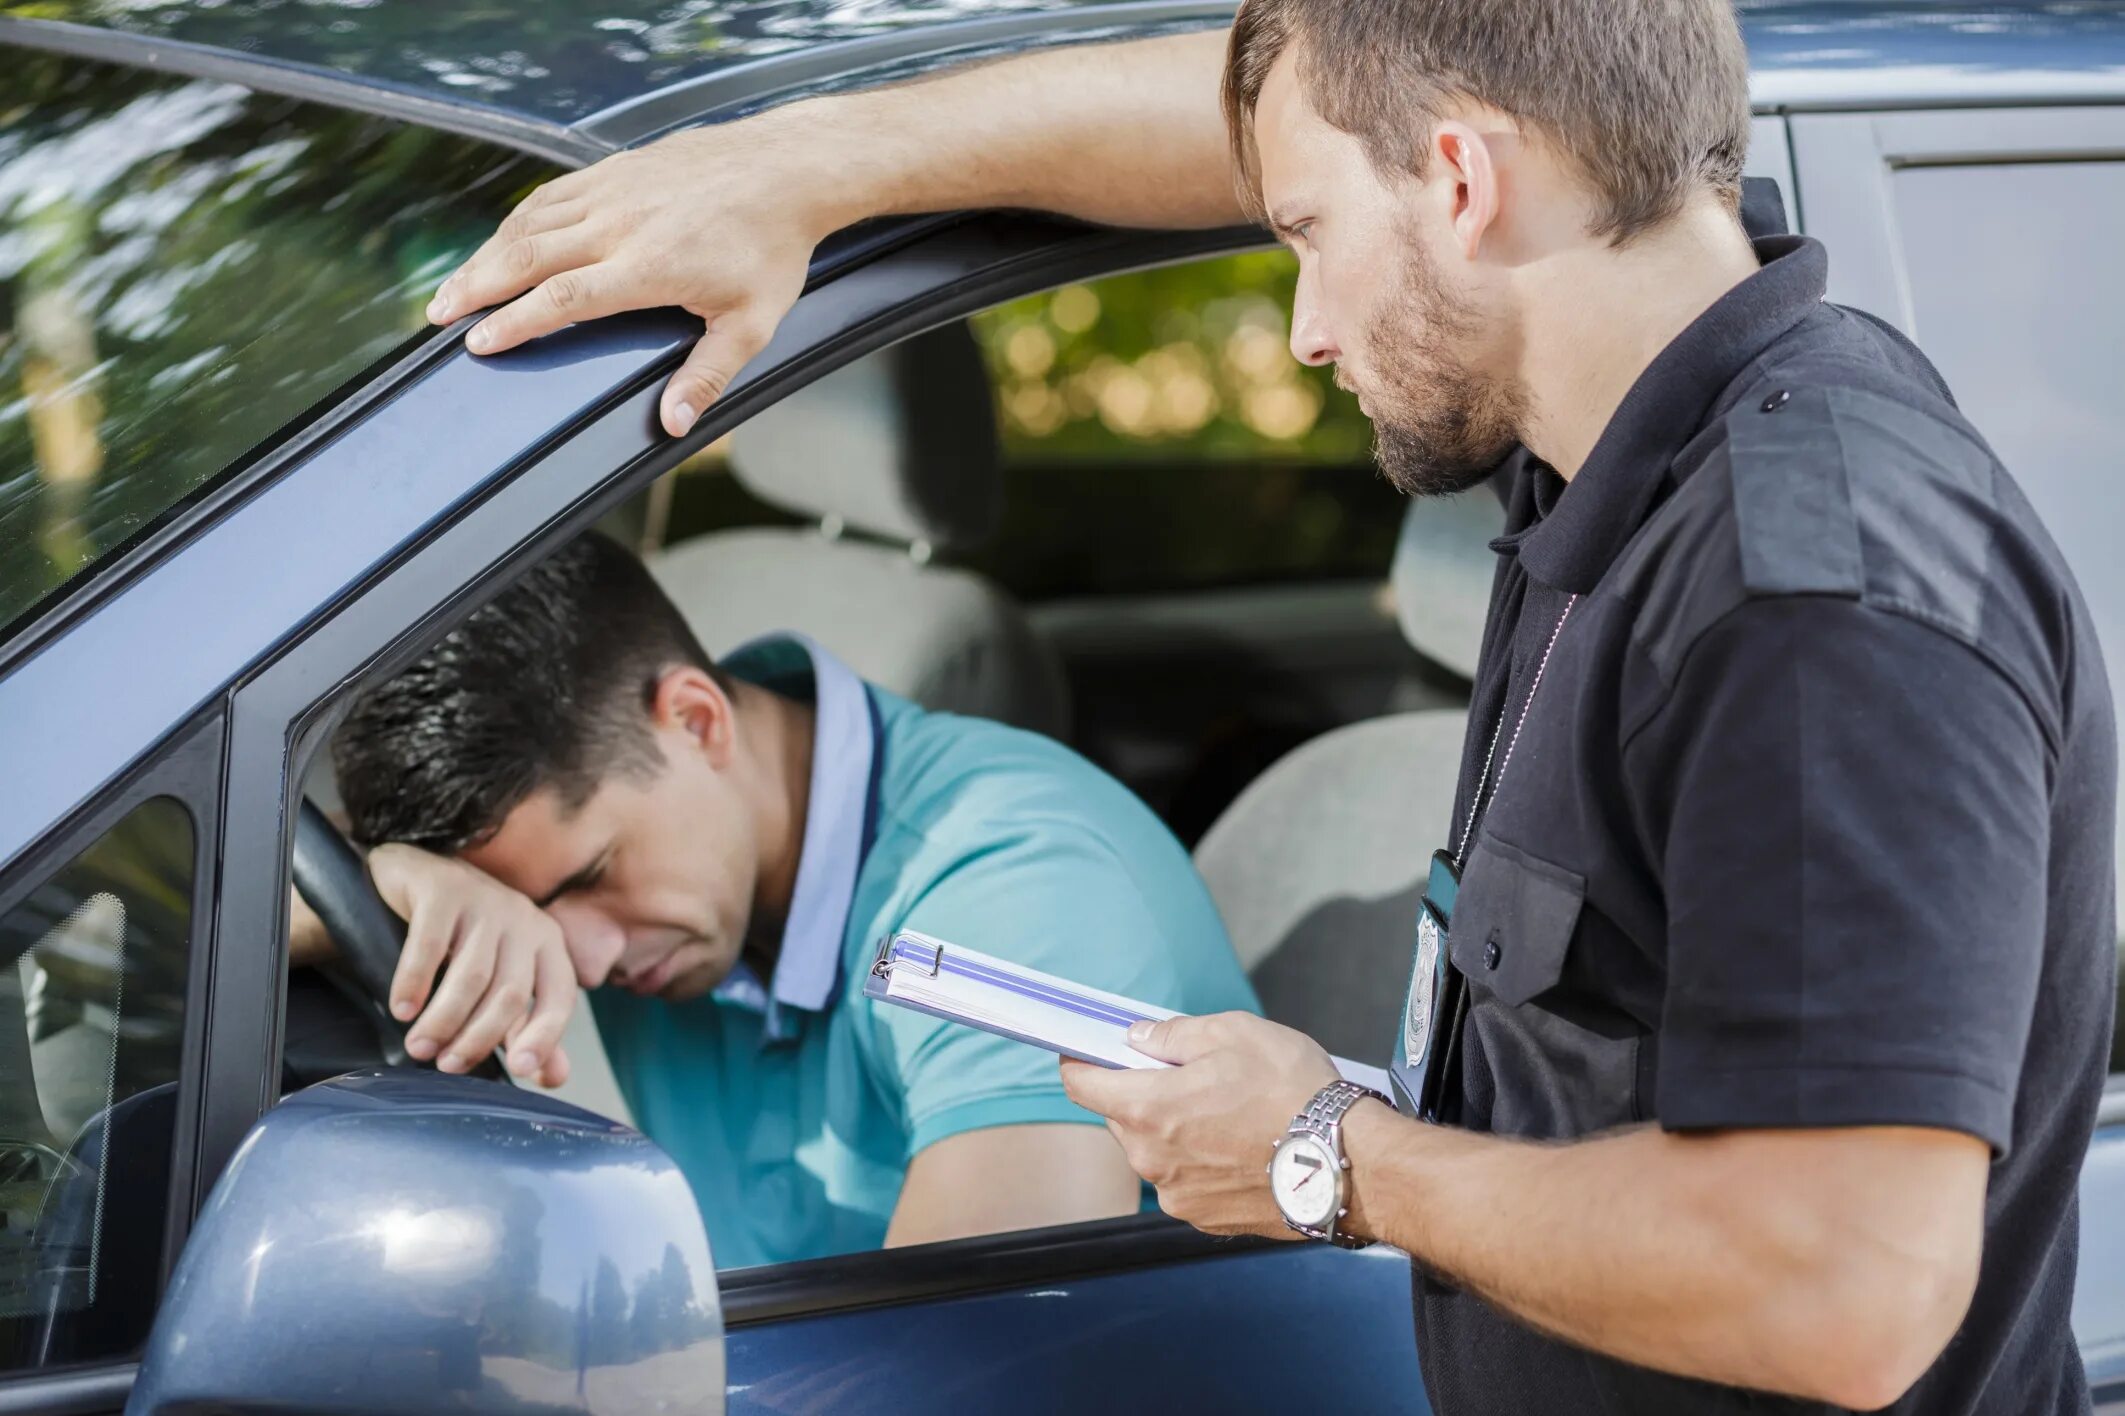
1003, 1178
308, 943
1129, 134
1772, 1260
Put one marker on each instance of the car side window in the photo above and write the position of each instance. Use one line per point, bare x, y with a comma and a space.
92, 979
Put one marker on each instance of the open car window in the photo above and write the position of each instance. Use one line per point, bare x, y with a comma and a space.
185, 268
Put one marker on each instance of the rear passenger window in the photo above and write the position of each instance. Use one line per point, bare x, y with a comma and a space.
92, 976
1158, 436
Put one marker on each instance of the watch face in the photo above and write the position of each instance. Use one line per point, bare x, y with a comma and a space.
1303, 1178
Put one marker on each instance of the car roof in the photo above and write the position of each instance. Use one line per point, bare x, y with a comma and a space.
572, 64
575, 78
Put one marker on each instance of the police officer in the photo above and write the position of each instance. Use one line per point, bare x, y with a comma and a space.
1761, 997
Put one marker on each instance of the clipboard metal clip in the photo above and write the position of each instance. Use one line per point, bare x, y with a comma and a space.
924, 956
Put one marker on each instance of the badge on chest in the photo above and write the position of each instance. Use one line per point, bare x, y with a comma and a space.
1431, 1014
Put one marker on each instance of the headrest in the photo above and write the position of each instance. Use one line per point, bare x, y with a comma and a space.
1442, 575
900, 444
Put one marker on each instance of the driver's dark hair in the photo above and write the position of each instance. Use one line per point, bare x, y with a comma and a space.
547, 685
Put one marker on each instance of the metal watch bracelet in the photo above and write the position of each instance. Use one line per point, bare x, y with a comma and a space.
1323, 1117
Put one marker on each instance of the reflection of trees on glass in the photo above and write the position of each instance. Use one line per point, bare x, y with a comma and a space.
185, 267
608, 1321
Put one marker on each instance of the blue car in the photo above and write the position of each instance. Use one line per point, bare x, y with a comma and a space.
986, 459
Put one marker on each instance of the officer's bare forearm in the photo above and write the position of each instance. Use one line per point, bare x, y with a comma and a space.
1124, 133
1827, 1264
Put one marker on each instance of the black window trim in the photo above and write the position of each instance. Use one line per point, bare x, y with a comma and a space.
957, 1268
187, 769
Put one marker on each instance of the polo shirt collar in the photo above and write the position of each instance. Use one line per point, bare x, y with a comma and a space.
1594, 518
838, 813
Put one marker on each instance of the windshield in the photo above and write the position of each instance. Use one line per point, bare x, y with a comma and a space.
186, 268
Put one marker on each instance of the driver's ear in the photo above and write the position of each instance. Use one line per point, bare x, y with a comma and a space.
690, 700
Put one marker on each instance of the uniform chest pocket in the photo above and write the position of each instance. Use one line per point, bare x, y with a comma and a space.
1513, 920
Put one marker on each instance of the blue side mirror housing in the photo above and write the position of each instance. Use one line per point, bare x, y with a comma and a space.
399, 1242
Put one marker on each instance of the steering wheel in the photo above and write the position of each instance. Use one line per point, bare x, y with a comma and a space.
333, 880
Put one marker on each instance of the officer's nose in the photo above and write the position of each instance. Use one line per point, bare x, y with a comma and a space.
1311, 342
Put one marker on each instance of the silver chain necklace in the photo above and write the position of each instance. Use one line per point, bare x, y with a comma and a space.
1475, 804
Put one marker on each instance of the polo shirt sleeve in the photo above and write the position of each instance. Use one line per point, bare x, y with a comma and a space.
1849, 810
1051, 896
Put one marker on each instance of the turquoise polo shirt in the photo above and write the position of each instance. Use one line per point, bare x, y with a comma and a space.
793, 1104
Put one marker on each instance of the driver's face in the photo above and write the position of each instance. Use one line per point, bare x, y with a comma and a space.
651, 881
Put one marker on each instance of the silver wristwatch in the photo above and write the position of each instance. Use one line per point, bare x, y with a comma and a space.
1308, 1174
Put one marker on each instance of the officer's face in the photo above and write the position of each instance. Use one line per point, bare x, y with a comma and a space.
1386, 295
652, 878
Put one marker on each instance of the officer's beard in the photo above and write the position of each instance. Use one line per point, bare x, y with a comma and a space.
1439, 425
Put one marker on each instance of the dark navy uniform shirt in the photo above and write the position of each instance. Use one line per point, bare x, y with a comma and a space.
1809, 825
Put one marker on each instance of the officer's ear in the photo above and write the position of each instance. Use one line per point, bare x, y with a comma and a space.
1468, 159
689, 700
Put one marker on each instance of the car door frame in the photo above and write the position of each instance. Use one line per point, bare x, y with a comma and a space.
1845, 162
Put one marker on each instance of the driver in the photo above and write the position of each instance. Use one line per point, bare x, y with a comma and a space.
567, 789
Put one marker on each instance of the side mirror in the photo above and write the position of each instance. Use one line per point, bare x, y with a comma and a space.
400, 1242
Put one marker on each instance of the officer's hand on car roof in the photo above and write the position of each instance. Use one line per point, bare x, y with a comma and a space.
642, 229
507, 981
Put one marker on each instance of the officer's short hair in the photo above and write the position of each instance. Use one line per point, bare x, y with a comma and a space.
1649, 98
548, 685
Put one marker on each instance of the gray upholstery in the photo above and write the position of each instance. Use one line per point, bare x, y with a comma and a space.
945, 638
900, 445
1442, 575
1318, 866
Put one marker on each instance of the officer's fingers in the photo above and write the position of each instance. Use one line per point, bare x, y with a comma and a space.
553, 999
1112, 1092
499, 1010
564, 298
516, 258
1176, 1039
733, 338
556, 203
465, 980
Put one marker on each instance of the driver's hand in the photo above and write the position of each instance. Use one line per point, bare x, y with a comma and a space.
507, 981
719, 222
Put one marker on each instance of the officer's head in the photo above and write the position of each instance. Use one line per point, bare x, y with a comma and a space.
572, 740
1441, 166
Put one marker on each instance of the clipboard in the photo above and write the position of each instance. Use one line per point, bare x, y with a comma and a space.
966, 986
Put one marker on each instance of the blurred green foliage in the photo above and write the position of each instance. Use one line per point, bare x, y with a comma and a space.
1182, 361
1159, 436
